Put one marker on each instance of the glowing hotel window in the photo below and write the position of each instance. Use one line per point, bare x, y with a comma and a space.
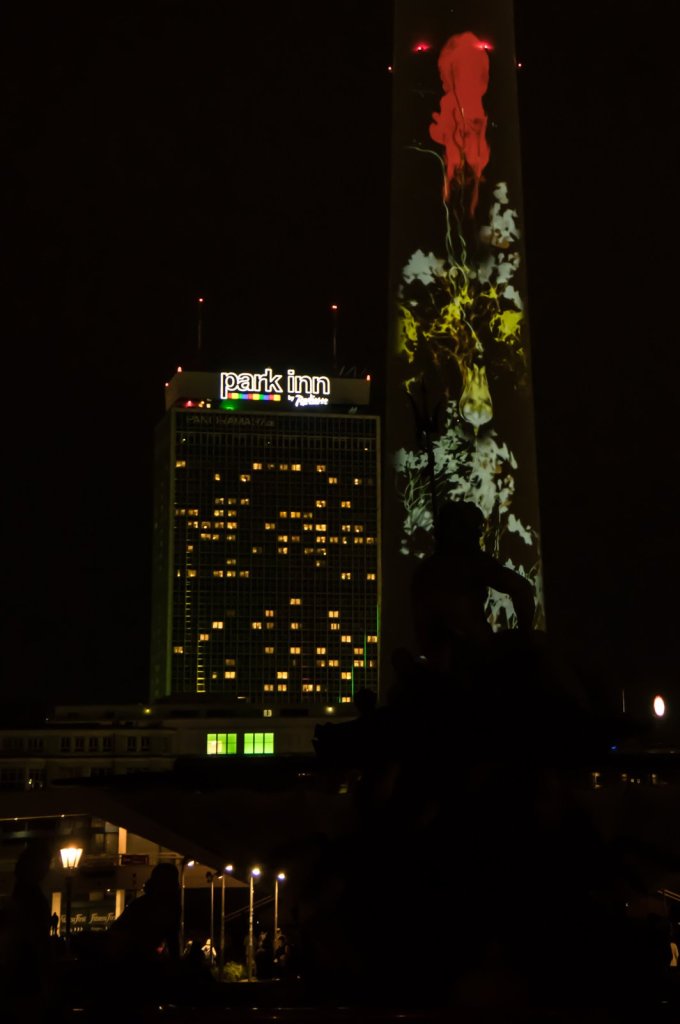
178, 649
181, 464
346, 638
333, 663
257, 465
217, 477
345, 504
230, 675
296, 600
321, 650
321, 469
345, 675
221, 743
345, 575
283, 467
204, 636
281, 675
245, 478
332, 479
296, 650
282, 687
268, 687
295, 515
370, 576
218, 625
295, 625
269, 613
256, 625
258, 743
334, 615
230, 661
296, 467
372, 639
269, 650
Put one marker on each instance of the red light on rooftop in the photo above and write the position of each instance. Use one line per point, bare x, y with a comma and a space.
483, 45
200, 300
422, 47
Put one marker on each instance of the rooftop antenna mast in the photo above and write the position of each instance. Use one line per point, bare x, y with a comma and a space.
334, 311
199, 325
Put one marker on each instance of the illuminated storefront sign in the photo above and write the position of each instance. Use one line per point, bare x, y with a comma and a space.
267, 386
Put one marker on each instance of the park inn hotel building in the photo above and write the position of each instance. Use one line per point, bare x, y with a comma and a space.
266, 553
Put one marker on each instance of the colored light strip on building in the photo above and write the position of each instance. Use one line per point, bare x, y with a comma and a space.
252, 396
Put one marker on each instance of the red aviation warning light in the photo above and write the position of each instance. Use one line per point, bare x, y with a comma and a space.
422, 47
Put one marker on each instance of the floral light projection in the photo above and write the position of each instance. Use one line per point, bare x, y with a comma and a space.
461, 322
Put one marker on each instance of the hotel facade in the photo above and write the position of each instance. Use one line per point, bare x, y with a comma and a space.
266, 557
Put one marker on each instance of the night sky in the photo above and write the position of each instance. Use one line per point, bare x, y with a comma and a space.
159, 151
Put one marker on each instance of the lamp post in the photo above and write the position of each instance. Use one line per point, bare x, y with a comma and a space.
228, 868
210, 877
70, 859
254, 873
281, 877
185, 864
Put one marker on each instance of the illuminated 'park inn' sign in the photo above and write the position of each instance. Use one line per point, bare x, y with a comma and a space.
267, 386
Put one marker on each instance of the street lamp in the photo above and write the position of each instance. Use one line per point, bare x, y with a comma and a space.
185, 864
70, 859
227, 870
254, 873
279, 878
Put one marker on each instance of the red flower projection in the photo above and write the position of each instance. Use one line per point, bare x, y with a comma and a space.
460, 124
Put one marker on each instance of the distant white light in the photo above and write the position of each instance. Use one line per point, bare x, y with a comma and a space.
659, 705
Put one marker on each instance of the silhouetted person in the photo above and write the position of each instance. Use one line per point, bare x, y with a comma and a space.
148, 928
25, 966
449, 591
143, 943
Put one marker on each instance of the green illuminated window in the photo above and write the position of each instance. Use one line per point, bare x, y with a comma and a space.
221, 743
258, 743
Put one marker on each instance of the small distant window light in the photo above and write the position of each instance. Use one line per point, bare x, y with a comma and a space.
257, 465
181, 464
345, 675
345, 504
283, 468
245, 478
178, 649
269, 650
320, 503
345, 700
334, 614
358, 481
296, 600
333, 663
346, 638
321, 650
230, 674
256, 625
283, 514
332, 479
296, 467
295, 625
269, 613
268, 687
218, 625
204, 636
296, 650
321, 469
282, 675
282, 687
370, 576
267, 712
217, 477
